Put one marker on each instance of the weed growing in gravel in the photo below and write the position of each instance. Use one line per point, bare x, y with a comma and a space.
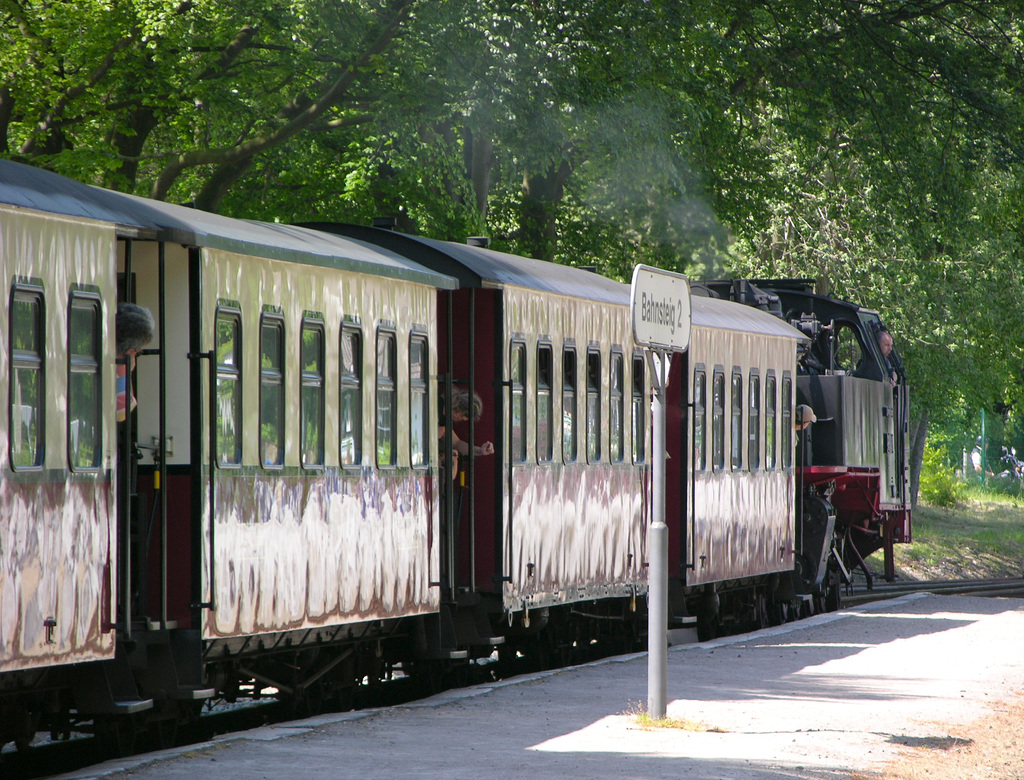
639, 713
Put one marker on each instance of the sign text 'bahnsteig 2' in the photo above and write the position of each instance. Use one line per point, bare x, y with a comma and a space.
665, 313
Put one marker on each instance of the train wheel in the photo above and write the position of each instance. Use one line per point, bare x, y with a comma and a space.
707, 626
833, 597
24, 725
428, 677
310, 700
165, 733
781, 612
116, 736
761, 607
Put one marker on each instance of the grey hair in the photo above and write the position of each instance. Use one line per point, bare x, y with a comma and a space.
134, 327
460, 404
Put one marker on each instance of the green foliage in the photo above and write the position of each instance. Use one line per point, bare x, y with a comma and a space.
939, 483
874, 148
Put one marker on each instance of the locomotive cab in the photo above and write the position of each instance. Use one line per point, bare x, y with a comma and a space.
853, 459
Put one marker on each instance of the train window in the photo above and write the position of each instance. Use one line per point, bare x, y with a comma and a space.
639, 410
569, 405
387, 413
787, 420
718, 420
593, 406
311, 398
229, 387
700, 399
848, 353
545, 371
517, 366
419, 409
272, 391
351, 396
27, 421
754, 421
616, 411
770, 461
736, 410
84, 410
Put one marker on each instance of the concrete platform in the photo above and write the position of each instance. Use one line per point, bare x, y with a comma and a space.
815, 699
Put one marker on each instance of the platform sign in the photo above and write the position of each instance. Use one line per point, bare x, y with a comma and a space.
659, 304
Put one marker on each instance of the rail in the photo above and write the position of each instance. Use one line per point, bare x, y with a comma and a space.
993, 587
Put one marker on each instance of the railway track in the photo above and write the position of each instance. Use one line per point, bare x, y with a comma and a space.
52, 756
995, 587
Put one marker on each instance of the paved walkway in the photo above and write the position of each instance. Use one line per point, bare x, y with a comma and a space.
815, 699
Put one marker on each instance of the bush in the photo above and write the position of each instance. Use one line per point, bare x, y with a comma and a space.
939, 484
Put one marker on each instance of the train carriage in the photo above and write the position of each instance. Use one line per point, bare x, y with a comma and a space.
57, 519
559, 516
730, 476
742, 365
273, 494
303, 480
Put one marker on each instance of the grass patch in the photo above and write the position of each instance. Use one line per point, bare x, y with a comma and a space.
982, 537
646, 722
640, 715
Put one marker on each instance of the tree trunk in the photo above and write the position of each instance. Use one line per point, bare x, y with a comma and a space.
480, 163
6, 112
918, 437
542, 195
219, 182
129, 143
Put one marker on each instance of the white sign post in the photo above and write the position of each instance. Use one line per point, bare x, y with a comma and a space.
660, 309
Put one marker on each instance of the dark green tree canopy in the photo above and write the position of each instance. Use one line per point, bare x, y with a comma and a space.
872, 146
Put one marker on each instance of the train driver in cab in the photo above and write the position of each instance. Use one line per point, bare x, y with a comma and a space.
868, 368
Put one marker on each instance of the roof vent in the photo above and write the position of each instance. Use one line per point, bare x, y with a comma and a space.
481, 241
385, 223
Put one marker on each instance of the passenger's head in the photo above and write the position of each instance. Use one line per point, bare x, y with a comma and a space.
885, 342
134, 327
461, 406
804, 416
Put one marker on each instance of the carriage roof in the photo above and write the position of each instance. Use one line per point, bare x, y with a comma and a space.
726, 315
27, 187
476, 266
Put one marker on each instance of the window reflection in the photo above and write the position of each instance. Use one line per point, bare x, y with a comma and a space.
229, 388
84, 410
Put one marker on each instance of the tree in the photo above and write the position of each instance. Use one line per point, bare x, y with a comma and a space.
897, 165
874, 147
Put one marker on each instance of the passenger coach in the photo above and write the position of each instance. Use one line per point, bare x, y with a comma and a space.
731, 489
269, 512
557, 519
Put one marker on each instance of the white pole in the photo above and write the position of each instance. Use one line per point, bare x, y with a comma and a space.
657, 585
